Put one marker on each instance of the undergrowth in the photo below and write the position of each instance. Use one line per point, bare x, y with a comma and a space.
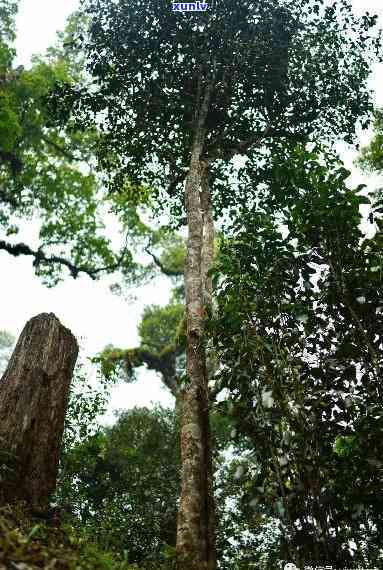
27, 543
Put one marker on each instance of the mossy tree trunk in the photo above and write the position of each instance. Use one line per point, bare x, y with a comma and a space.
34, 395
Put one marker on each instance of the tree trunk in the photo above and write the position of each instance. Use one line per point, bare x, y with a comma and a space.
208, 253
33, 401
195, 536
208, 238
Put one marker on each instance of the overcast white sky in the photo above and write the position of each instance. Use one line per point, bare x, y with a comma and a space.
93, 314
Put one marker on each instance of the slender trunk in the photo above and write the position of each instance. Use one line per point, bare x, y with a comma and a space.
207, 295
195, 535
33, 401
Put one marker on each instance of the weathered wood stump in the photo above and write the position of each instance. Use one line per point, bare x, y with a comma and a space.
34, 395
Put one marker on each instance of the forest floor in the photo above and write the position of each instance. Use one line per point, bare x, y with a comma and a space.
28, 542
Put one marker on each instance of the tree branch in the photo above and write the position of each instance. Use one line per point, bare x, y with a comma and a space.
160, 265
243, 146
215, 151
41, 257
59, 148
163, 362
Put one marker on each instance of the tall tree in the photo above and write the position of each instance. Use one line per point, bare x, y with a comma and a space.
181, 95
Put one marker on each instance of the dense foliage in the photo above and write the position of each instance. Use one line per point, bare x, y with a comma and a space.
270, 70
371, 157
122, 484
47, 173
298, 334
30, 542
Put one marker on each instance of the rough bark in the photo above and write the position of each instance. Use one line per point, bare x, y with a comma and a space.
33, 401
207, 261
192, 518
195, 534
208, 238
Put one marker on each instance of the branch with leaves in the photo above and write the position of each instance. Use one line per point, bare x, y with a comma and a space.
40, 258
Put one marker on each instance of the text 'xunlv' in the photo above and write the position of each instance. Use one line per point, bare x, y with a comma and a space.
189, 6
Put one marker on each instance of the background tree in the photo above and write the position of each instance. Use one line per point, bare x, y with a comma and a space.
46, 170
161, 349
371, 156
162, 329
123, 484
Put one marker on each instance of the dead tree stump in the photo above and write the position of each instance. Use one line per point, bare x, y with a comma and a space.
34, 395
